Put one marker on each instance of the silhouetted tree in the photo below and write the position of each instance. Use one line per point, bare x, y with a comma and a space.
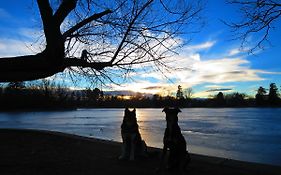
261, 96
114, 36
179, 94
97, 93
258, 18
220, 101
188, 92
46, 85
181, 101
156, 100
60, 93
16, 85
235, 99
92, 96
273, 97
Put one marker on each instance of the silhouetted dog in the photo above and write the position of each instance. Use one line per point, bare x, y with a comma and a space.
173, 140
133, 145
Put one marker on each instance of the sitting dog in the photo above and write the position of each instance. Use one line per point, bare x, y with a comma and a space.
174, 141
133, 145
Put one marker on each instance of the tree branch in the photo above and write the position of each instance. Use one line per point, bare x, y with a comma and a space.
46, 13
64, 9
259, 17
85, 21
129, 30
77, 62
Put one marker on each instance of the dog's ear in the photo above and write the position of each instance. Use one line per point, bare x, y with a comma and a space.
134, 110
126, 109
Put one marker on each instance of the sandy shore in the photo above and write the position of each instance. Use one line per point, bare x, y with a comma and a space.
44, 152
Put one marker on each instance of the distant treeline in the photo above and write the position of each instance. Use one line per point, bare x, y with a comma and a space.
46, 95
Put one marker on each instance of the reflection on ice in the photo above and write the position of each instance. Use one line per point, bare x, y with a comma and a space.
250, 134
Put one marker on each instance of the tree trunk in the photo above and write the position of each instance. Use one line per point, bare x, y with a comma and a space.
30, 67
52, 60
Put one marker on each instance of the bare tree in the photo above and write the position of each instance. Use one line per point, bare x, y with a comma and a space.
188, 93
100, 38
258, 18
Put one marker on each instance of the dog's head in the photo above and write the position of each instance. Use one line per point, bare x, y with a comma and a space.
130, 117
171, 114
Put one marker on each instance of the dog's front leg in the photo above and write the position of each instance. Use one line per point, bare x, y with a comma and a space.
123, 154
133, 147
124, 148
162, 159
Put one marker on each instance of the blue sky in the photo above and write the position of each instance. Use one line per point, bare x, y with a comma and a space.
211, 61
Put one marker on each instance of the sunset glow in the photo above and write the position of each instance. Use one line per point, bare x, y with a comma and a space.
210, 59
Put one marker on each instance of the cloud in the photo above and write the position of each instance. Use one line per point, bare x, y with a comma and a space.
226, 70
21, 42
215, 86
12, 47
218, 90
145, 86
153, 87
219, 71
269, 72
201, 46
234, 51
30, 33
191, 70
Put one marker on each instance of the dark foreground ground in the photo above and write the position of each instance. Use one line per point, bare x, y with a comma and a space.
43, 152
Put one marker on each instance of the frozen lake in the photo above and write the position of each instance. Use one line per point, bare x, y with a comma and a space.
249, 134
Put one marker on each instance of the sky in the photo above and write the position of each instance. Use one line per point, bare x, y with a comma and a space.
211, 62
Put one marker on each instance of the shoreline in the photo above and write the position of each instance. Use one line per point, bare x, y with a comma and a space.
47, 109
28, 151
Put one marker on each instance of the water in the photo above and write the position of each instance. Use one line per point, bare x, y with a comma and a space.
249, 134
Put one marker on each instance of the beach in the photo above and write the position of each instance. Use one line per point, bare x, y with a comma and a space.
24, 151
